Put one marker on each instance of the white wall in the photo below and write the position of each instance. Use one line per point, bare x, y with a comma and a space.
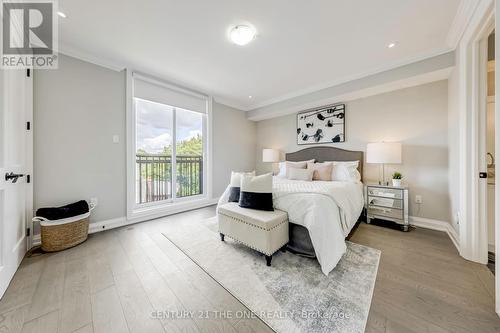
417, 117
77, 110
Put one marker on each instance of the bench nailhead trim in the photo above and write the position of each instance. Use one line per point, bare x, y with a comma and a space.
252, 247
253, 225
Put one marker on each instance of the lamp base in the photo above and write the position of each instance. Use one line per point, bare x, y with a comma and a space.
382, 181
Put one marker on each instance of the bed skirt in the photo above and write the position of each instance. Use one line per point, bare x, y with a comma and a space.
299, 241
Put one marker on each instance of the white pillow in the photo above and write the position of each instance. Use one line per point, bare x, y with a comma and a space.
346, 171
282, 172
300, 174
257, 192
234, 185
236, 177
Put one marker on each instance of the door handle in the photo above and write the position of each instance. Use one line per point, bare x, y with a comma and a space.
13, 176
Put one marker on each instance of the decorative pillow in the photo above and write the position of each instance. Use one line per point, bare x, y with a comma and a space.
234, 186
296, 165
257, 192
300, 174
282, 172
346, 171
321, 171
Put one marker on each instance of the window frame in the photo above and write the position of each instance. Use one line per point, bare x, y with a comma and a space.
139, 212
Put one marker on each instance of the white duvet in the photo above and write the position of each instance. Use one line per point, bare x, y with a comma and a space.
328, 210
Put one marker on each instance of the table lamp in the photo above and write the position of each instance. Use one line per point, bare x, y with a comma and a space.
383, 153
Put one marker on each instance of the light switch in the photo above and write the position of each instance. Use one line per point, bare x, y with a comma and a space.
116, 139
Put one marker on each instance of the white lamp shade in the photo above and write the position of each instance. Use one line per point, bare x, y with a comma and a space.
270, 155
383, 153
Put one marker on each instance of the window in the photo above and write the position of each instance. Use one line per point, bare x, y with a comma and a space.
154, 140
169, 158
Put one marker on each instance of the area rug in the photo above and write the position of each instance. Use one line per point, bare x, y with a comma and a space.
292, 295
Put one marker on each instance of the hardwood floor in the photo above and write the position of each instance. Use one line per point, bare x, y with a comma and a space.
423, 285
119, 279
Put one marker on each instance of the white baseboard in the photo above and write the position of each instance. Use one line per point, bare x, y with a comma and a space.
436, 225
122, 221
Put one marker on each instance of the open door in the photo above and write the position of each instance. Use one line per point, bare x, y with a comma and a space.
15, 166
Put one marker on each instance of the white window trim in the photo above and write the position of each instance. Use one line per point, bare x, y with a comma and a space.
137, 213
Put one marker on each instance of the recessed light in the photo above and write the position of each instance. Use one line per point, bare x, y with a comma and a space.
61, 14
242, 34
391, 45
250, 96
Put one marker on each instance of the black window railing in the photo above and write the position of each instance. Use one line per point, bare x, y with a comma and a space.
154, 177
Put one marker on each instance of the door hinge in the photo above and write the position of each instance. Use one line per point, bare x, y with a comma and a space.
28, 125
28, 179
28, 232
28, 72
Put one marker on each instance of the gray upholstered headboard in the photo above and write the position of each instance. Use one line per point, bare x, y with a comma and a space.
322, 154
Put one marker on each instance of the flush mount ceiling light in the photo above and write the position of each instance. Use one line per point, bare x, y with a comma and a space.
391, 45
61, 14
242, 34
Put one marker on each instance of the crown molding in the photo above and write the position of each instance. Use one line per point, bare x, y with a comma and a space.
465, 11
361, 75
118, 67
417, 73
76, 53
73, 52
230, 103
413, 81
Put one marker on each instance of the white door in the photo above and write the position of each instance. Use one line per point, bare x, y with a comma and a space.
15, 159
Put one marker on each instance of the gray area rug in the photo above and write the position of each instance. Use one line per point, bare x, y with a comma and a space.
292, 295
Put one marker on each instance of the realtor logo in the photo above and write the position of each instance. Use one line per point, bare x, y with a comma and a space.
29, 34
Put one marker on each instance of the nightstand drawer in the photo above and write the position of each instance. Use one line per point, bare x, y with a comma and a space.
385, 212
385, 202
385, 192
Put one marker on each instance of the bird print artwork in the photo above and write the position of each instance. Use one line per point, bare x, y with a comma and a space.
322, 125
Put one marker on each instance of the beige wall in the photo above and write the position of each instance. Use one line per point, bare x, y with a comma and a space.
234, 144
417, 117
453, 145
77, 110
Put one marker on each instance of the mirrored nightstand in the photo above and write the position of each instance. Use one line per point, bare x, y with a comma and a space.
387, 203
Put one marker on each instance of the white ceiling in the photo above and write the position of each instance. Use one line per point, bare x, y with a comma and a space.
301, 45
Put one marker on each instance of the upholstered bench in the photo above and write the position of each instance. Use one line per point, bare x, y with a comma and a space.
264, 231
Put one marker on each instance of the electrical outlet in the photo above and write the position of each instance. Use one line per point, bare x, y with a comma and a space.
94, 202
418, 199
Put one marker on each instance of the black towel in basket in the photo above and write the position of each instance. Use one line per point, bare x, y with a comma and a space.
57, 213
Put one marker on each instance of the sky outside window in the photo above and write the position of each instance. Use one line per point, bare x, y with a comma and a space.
155, 126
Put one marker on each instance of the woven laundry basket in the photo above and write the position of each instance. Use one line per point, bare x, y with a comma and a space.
62, 234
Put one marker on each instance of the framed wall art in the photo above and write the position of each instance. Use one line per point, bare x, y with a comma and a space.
321, 125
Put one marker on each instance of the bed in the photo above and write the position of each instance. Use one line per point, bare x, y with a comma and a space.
321, 214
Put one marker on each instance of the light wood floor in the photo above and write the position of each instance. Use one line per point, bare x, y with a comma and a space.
117, 279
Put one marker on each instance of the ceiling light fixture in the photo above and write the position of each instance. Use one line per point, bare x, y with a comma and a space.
61, 14
242, 34
391, 45
250, 96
